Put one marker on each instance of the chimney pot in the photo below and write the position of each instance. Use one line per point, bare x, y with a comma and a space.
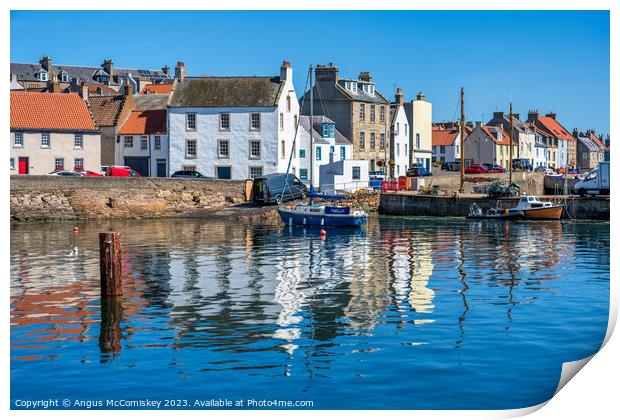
420, 96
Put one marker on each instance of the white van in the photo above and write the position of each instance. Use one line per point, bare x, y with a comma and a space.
595, 182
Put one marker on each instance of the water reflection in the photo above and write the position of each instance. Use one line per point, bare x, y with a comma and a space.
270, 301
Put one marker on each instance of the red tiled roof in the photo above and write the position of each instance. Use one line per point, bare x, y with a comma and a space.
505, 136
145, 122
51, 111
161, 88
106, 109
105, 90
555, 128
597, 140
444, 137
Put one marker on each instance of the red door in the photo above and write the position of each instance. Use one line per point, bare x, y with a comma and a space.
23, 166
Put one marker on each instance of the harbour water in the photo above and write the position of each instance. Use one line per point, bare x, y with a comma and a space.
409, 313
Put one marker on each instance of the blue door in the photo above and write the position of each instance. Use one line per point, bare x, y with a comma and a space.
223, 172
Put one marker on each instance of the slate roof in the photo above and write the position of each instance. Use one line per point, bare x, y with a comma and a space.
50, 111
151, 101
106, 109
26, 72
589, 144
215, 92
492, 131
361, 95
145, 122
317, 121
92, 89
517, 124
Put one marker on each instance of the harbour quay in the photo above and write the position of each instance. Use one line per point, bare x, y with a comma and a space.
410, 203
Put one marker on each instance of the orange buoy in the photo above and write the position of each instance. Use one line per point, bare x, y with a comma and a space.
323, 234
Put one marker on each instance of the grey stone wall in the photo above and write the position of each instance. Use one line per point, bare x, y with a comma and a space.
39, 198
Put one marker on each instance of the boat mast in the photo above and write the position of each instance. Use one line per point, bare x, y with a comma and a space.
311, 134
510, 147
461, 189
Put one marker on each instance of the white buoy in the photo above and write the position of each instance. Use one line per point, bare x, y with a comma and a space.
304, 221
322, 221
290, 221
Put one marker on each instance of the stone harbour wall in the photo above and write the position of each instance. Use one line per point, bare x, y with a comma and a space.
41, 198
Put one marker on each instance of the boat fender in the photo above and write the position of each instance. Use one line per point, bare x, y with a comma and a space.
304, 220
322, 221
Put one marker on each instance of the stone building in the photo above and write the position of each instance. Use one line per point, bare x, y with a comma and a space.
590, 149
52, 131
360, 112
234, 127
522, 135
489, 144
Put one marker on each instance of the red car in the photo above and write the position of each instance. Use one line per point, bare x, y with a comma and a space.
476, 168
121, 171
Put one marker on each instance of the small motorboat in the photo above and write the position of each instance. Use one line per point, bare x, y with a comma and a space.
532, 208
321, 215
476, 213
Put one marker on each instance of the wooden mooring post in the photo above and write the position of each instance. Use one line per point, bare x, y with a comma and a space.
110, 264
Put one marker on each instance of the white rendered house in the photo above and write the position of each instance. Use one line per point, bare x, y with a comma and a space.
399, 149
234, 127
328, 145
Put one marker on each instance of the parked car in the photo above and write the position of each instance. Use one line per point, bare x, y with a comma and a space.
570, 171
269, 189
121, 171
494, 168
521, 164
88, 173
417, 171
187, 174
377, 174
65, 173
104, 169
476, 168
540, 168
449, 166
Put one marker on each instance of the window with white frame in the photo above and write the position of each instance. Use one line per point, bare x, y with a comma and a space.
281, 121
397, 149
188, 167
256, 171
406, 129
317, 153
343, 151
354, 87
288, 103
406, 154
372, 113
362, 112
255, 121
43, 76
64, 77
157, 144
78, 141
362, 140
381, 141
372, 140
223, 149
128, 141
382, 113
282, 149
18, 139
190, 121
303, 174
78, 164
397, 128
224, 121
356, 172
417, 140
255, 149
190, 148
144, 143
45, 140
12, 163
302, 153
59, 164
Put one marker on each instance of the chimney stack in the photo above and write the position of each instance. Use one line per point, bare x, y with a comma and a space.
498, 115
84, 91
532, 115
516, 116
53, 86
166, 70
551, 115
478, 123
286, 71
128, 88
400, 98
108, 67
324, 72
365, 76
180, 72
46, 63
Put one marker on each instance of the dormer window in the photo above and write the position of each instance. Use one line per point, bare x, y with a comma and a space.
42, 75
368, 89
351, 86
328, 130
64, 77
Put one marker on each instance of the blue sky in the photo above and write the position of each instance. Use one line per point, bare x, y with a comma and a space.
553, 61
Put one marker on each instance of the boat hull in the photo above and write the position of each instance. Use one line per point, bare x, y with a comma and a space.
327, 220
544, 213
513, 215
